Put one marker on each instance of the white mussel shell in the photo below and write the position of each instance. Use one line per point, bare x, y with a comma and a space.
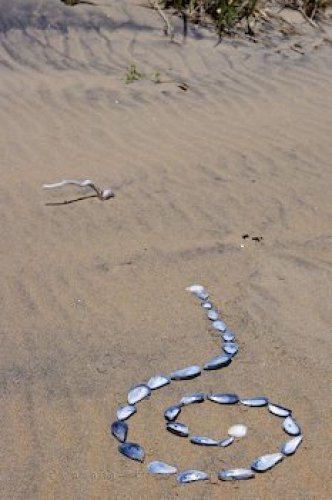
125, 411
291, 427
291, 446
195, 288
237, 431
228, 336
186, 373
158, 381
177, 428
158, 467
138, 393
206, 305
199, 291
221, 398
256, 402
213, 315
188, 476
203, 441
218, 362
279, 411
172, 412
231, 348
219, 325
235, 474
266, 462
197, 397
226, 441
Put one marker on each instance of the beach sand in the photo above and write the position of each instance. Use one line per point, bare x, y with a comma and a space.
92, 296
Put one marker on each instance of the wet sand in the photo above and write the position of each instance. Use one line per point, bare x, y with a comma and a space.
92, 297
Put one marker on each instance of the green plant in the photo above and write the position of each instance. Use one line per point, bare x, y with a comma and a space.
226, 14
313, 7
133, 74
156, 77
71, 3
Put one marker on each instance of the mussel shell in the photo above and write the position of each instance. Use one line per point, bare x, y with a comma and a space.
197, 397
195, 288
291, 426
119, 429
199, 291
221, 398
226, 441
158, 467
218, 362
228, 336
172, 412
231, 348
279, 411
158, 381
138, 393
213, 315
203, 441
219, 325
186, 373
255, 402
207, 305
178, 429
188, 476
125, 411
235, 474
266, 462
132, 450
237, 431
291, 446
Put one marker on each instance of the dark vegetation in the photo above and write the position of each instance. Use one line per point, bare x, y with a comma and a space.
228, 14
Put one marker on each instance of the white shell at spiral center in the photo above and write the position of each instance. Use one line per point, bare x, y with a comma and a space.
238, 430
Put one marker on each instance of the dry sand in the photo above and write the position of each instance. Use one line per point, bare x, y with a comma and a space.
92, 293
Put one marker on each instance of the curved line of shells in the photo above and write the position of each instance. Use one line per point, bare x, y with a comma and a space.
134, 451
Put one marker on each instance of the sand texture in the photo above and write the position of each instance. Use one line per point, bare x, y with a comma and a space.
92, 294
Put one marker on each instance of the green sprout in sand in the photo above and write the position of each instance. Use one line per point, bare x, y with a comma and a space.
133, 74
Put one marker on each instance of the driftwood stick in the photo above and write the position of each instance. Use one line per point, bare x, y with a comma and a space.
185, 24
168, 29
308, 19
102, 194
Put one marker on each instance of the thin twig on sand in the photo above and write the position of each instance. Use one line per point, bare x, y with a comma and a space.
168, 28
268, 15
68, 202
308, 19
72, 3
102, 194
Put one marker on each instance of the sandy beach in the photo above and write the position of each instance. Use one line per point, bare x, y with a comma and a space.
212, 142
